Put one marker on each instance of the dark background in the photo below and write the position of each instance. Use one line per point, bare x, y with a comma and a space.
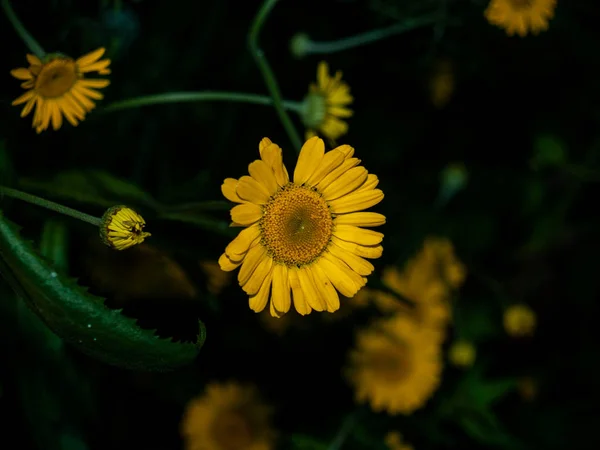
526, 228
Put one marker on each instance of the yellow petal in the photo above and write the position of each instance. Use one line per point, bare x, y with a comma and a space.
361, 219
323, 75
251, 262
21, 74
264, 143
364, 251
228, 189
261, 172
346, 183
28, 107
309, 159
356, 201
331, 160
371, 183
341, 276
251, 190
242, 242
227, 264
298, 295
356, 263
272, 155
90, 58
95, 83
339, 111
23, 98
325, 289
312, 296
258, 302
346, 150
56, 116
280, 296
33, 60
246, 213
358, 235
260, 274
348, 164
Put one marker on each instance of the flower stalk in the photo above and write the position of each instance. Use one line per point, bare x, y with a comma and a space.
29, 198
267, 73
27, 38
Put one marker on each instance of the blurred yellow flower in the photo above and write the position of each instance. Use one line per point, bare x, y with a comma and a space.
519, 320
426, 280
462, 353
520, 16
57, 87
441, 83
304, 239
326, 103
217, 280
122, 228
229, 416
394, 441
395, 366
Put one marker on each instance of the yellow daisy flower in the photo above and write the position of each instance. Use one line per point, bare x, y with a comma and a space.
519, 321
303, 239
228, 416
57, 87
520, 16
326, 103
394, 441
462, 353
122, 228
395, 366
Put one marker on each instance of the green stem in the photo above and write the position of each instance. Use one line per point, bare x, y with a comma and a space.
206, 96
9, 192
267, 73
30, 42
369, 37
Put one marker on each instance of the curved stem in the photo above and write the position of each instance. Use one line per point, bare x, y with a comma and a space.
267, 73
201, 96
30, 42
9, 192
370, 36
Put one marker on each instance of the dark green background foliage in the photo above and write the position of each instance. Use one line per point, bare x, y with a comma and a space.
524, 120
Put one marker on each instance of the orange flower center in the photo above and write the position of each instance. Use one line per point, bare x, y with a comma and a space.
56, 78
391, 365
296, 225
232, 431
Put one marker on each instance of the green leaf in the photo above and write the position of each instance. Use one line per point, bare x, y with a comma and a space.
305, 442
54, 243
93, 187
476, 392
83, 319
484, 427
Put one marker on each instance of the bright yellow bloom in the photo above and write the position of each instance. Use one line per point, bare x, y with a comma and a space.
462, 353
122, 228
303, 239
394, 441
217, 280
520, 16
228, 416
326, 103
519, 320
441, 84
396, 365
57, 87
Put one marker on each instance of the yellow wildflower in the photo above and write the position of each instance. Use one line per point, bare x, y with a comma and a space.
122, 228
519, 320
462, 353
520, 16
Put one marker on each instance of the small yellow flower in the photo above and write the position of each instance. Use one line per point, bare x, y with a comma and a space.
394, 441
303, 239
519, 321
122, 228
441, 84
520, 16
57, 87
462, 353
396, 365
229, 416
326, 103
217, 280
